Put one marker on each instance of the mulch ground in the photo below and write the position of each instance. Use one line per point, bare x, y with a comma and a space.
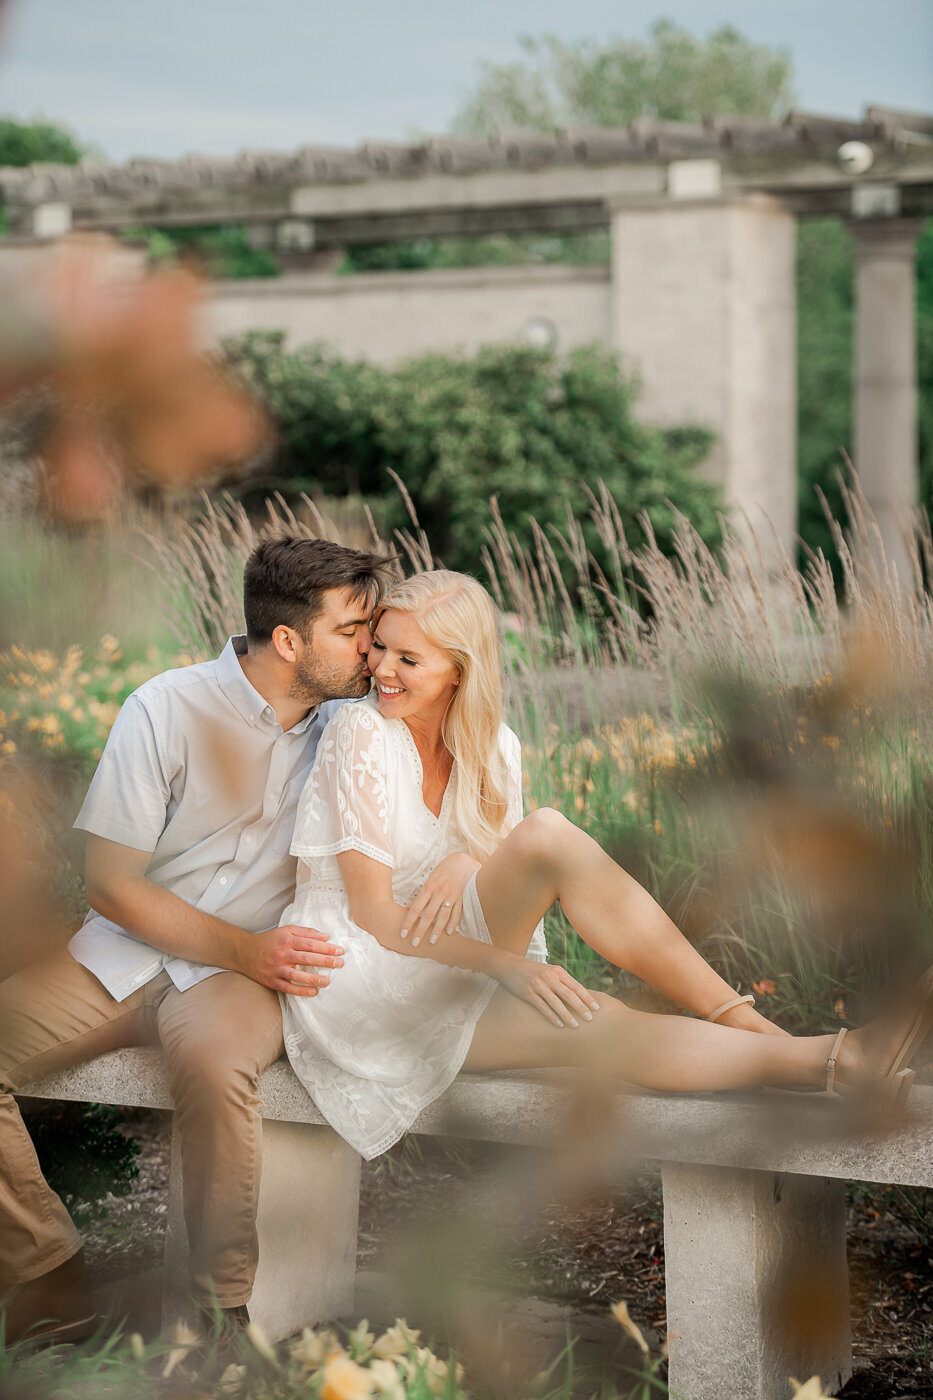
477, 1216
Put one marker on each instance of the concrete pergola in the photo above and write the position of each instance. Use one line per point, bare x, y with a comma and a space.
702, 285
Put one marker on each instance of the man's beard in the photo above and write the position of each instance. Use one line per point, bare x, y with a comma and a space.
314, 682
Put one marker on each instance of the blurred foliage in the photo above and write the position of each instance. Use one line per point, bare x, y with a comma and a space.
522, 425
825, 311
217, 251
23, 143
673, 76
496, 250
67, 704
82, 1153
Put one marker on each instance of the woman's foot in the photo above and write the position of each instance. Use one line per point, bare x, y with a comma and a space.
876, 1057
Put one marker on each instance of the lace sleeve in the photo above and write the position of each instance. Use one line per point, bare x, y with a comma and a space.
344, 805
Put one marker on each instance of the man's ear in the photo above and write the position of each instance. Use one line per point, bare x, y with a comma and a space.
285, 642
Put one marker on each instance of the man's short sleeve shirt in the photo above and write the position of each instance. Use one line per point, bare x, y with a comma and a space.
198, 772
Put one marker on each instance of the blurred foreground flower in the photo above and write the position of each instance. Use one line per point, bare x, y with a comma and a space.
810, 1390
345, 1380
185, 1338
621, 1314
131, 394
261, 1344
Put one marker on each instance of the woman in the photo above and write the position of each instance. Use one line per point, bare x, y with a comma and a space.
414, 856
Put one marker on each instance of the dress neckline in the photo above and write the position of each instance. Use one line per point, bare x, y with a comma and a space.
445, 800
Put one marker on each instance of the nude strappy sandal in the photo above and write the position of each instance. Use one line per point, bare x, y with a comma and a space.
893, 1087
728, 1006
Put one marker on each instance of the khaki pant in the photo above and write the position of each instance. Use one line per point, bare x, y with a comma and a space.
218, 1037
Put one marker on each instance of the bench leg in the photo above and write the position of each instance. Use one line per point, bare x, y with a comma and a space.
757, 1283
308, 1213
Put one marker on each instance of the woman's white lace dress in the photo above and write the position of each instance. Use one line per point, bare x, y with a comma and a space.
391, 1031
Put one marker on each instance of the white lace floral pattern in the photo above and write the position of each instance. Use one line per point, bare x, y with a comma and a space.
390, 1032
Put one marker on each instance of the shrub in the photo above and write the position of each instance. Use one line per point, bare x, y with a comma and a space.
522, 425
82, 1154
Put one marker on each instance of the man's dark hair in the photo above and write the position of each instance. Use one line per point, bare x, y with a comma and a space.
285, 580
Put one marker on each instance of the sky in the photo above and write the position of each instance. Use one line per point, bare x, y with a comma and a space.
138, 78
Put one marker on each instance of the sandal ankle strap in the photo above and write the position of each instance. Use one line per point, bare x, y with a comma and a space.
728, 1005
833, 1056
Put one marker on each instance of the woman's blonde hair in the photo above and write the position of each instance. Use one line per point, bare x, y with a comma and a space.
457, 614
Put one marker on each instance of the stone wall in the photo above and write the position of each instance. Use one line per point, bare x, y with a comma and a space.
388, 316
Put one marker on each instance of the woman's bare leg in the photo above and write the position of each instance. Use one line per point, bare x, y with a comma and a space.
547, 858
675, 1053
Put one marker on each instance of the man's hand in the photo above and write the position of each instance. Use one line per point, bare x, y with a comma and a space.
281, 959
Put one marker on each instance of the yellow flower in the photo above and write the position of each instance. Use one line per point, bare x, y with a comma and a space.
360, 1339
50, 724
77, 714
8, 747
621, 1314
433, 1369
397, 1341
810, 1390
260, 1343
345, 1380
185, 1338
66, 701
312, 1348
387, 1380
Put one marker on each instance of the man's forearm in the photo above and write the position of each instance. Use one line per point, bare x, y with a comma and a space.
169, 923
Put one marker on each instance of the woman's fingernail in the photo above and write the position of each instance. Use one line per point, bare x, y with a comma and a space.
574, 1023
587, 1016
404, 933
433, 938
595, 1005
560, 1025
415, 942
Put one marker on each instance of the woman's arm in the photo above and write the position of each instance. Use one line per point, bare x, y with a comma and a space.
549, 989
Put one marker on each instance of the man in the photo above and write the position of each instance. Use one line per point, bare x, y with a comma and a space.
189, 819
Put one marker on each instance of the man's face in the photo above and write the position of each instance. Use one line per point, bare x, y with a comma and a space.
332, 664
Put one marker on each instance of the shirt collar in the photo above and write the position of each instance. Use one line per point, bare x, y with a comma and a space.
245, 697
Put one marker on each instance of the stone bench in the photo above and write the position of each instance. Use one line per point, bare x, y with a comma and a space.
754, 1206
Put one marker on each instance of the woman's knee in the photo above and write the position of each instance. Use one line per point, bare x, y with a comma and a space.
543, 835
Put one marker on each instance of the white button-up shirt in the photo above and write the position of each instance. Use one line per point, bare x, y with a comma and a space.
199, 772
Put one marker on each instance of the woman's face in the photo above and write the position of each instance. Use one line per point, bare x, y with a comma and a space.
414, 678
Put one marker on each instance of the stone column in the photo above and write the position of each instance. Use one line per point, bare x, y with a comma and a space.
704, 309
885, 436
757, 1286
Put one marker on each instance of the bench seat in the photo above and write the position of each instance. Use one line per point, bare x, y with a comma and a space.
754, 1205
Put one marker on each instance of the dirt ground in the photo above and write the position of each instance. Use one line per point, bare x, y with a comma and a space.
449, 1224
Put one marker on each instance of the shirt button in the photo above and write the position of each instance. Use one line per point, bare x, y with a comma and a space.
223, 880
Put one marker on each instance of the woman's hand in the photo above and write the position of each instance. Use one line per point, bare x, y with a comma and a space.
437, 906
550, 990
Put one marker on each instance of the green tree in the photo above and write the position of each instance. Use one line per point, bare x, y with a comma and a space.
674, 76
24, 143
